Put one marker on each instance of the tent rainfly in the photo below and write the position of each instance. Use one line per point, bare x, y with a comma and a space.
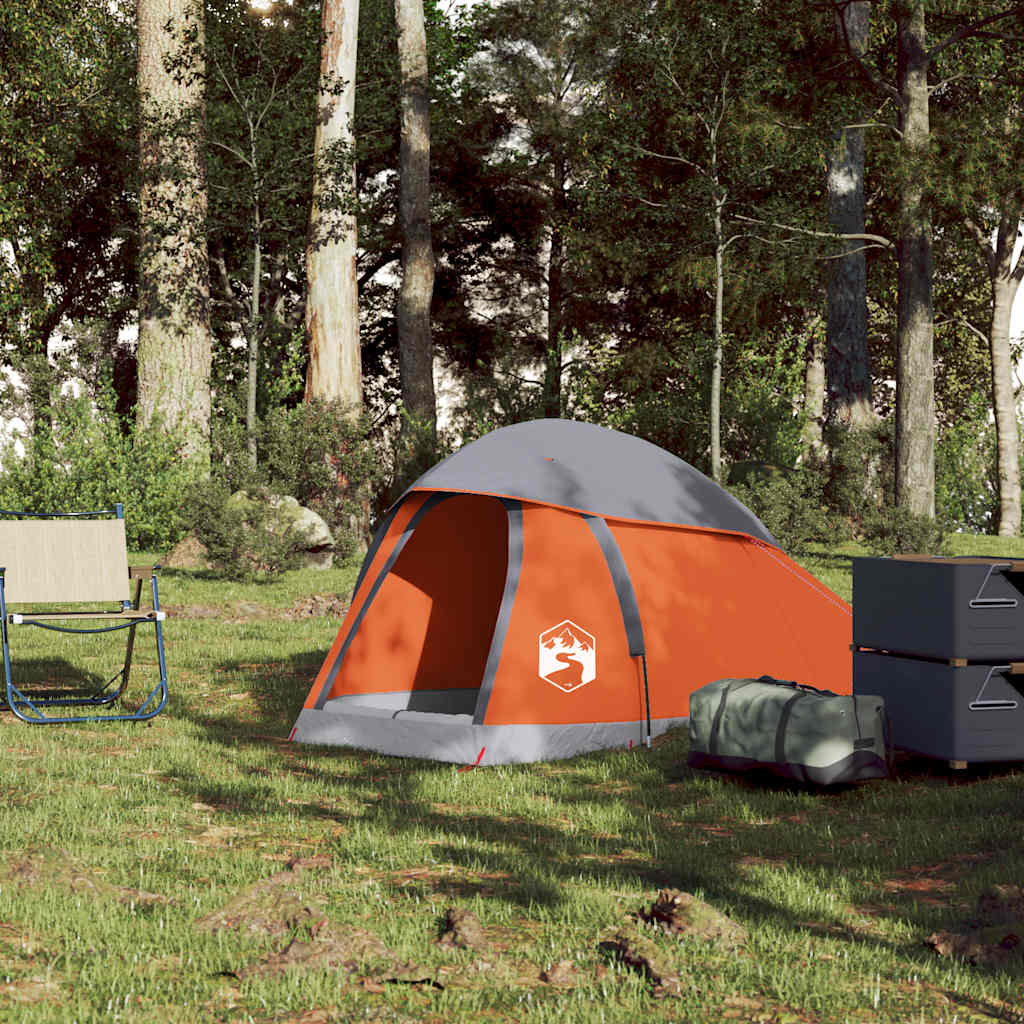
556, 587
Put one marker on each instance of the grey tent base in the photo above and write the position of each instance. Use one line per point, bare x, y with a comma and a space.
376, 722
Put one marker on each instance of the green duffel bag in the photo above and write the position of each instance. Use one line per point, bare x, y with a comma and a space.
788, 729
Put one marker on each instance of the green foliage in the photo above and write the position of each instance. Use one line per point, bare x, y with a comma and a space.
88, 462
791, 503
860, 472
966, 483
67, 188
897, 531
247, 538
311, 452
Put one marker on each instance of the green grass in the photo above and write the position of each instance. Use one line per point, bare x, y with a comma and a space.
837, 890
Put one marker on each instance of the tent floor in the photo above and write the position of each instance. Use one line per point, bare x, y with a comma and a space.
412, 725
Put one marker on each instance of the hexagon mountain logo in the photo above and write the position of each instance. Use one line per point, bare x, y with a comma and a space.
567, 656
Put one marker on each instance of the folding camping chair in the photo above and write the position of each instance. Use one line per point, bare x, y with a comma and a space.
76, 558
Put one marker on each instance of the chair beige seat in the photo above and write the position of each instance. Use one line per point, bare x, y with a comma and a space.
51, 565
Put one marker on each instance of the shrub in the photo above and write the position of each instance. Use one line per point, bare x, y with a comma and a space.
312, 452
246, 536
790, 502
87, 462
896, 531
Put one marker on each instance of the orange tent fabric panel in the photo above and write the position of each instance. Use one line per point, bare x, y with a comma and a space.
429, 626
565, 657
405, 513
716, 605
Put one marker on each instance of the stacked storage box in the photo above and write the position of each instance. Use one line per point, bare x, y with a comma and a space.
942, 640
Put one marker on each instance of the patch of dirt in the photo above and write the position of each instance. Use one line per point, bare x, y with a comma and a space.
189, 553
683, 916
37, 989
321, 946
994, 937
563, 974
930, 883
332, 606
461, 929
642, 955
56, 868
272, 906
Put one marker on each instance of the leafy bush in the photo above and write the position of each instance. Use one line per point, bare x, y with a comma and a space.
312, 452
896, 531
966, 479
790, 502
87, 462
246, 536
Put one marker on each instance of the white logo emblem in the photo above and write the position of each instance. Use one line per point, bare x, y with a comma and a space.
568, 656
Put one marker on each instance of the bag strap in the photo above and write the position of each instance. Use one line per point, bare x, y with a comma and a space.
716, 723
780, 731
806, 687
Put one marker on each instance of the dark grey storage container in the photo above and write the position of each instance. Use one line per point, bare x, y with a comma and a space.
956, 713
971, 608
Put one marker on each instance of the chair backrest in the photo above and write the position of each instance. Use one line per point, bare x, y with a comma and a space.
59, 561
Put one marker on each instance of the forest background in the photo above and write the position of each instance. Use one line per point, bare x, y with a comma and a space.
779, 240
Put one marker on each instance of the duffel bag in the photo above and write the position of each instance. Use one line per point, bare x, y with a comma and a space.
788, 729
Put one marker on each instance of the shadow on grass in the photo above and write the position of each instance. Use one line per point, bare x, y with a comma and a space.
684, 829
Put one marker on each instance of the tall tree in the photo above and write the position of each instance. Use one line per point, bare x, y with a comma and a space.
67, 179
174, 348
702, 150
539, 71
416, 357
915, 325
332, 304
915, 55
977, 109
848, 368
260, 102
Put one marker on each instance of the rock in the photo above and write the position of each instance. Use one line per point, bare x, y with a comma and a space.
683, 915
189, 553
462, 930
290, 515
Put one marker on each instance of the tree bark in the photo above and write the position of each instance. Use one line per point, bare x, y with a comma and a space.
1005, 276
332, 305
814, 395
415, 351
716, 361
848, 368
174, 347
552, 384
915, 370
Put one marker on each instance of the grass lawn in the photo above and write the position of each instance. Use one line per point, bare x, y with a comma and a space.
200, 867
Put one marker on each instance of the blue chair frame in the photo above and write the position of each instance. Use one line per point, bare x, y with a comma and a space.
45, 707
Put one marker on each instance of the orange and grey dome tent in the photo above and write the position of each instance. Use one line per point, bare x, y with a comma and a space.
557, 587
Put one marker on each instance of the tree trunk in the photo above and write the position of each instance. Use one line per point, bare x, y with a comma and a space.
915, 370
415, 351
814, 396
848, 366
174, 348
553, 353
716, 364
1005, 278
254, 339
552, 384
332, 305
